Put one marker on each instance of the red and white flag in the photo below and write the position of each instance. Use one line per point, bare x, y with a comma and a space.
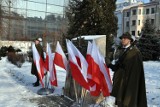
39, 63
60, 58
96, 77
100, 74
106, 84
78, 65
94, 87
51, 66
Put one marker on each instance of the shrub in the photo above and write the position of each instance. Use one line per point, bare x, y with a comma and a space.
16, 59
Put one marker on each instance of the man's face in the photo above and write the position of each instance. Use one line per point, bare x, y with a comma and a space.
36, 42
125, 41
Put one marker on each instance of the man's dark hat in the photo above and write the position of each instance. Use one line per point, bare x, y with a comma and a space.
126, 35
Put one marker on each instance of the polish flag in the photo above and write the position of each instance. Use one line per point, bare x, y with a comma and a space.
46, 64
39, 63
60, 58
100, 74
96, 75
53, 77
94, 88
78, 67
106, 84
51, 66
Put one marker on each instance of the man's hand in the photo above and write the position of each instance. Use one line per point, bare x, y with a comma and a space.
110, 65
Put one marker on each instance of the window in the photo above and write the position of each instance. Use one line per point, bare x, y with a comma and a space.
127, 24
127, 14
152, 21
133, 22
133, 12
133, 33
143, 11
152, 10
147, 11
139, 22
139, 11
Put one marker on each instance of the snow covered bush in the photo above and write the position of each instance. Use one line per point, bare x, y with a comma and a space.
16, 59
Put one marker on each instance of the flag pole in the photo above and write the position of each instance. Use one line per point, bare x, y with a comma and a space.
83, 95
45, 90
75, 90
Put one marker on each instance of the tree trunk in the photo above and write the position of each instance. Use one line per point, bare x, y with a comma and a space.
69, 87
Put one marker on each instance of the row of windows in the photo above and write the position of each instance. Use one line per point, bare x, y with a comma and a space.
139, 22
146, 11
134, 33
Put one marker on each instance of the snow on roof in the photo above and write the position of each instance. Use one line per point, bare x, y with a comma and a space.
132, 5
89, 37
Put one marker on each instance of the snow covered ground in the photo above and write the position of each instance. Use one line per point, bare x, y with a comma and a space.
16, 88
152, 75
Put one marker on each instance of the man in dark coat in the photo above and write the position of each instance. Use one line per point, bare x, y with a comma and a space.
128, 79
33, 68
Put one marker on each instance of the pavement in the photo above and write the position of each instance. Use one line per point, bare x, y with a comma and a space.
53, 101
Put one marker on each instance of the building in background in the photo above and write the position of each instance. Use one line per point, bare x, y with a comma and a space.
134, 17
154, 0
28, 19
119, 13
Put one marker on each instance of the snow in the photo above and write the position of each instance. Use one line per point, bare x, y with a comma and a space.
89, 37
16, 88
152, 75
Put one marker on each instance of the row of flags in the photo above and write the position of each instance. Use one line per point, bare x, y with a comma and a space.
90, 72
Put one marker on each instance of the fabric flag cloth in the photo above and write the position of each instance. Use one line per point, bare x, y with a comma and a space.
51, 66
94, 87
46, 64
78, 65
107, 84
39, 63
99, 72
60, 58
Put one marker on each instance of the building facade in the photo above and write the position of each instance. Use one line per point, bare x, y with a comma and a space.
134, 17
119, 13
28, 19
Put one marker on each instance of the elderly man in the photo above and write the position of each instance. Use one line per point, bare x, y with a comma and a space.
128, 79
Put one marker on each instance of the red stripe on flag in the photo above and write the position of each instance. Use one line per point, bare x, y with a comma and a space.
54, 82
76, 73
58, 60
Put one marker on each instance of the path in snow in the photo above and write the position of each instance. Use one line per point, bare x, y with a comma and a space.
13, 94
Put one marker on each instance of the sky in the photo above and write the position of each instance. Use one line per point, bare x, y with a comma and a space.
146, 1
16, 88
